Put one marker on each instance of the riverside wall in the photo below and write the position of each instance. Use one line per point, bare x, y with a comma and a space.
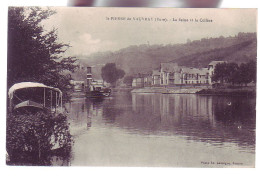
170, 90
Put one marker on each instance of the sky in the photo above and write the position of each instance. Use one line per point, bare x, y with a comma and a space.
88, 31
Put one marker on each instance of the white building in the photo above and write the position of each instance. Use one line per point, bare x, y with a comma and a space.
172, 74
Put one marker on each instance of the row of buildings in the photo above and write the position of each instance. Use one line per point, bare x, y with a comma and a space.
171, 74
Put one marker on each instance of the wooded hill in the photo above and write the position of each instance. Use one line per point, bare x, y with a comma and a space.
145, 58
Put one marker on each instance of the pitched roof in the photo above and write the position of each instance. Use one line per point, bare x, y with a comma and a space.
213, 63
191, 70
156, 72
139, 75
170, 67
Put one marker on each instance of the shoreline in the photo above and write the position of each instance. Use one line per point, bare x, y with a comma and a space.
172, 90
228, 92
199, 91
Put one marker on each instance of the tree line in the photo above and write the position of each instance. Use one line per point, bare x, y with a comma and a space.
235, 74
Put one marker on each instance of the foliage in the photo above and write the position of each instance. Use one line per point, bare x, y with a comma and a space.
31, 138
110, 73
232, 73
250, 68
219, 72
225, 72
35, 54
128, 80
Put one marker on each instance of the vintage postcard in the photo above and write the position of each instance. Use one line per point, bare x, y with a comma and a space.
135, 87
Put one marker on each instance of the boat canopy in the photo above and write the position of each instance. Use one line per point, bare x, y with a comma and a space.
22, 85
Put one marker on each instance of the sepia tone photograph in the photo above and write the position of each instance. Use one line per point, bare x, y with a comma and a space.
131, 87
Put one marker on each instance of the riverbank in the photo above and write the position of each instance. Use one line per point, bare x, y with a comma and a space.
123, 89
202, 90
172, 90
229, 91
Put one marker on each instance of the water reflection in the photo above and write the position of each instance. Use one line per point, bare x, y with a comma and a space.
203, 118
214, 120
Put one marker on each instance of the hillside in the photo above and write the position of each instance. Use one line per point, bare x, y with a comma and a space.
144, 58
238, 53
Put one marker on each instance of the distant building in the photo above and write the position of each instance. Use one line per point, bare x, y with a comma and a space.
194, 75
148, 80
138, 82
78, 85
156, 75
170, 74
142, 80
97, 82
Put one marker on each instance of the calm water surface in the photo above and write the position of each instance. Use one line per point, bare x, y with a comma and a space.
173, 130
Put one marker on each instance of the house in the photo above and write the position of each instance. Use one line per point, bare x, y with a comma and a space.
142, 80
78, 85
138, 82
97, 82
148, 80
156, 75
194, 75
170, 74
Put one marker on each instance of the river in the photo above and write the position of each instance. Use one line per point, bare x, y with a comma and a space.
171, 130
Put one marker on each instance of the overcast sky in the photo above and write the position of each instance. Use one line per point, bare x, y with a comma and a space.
88, 31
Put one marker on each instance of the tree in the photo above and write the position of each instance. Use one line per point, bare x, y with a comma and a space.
35, 54
110, 73
252, 70
246, 74
128, 80
220, 72
232, 73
